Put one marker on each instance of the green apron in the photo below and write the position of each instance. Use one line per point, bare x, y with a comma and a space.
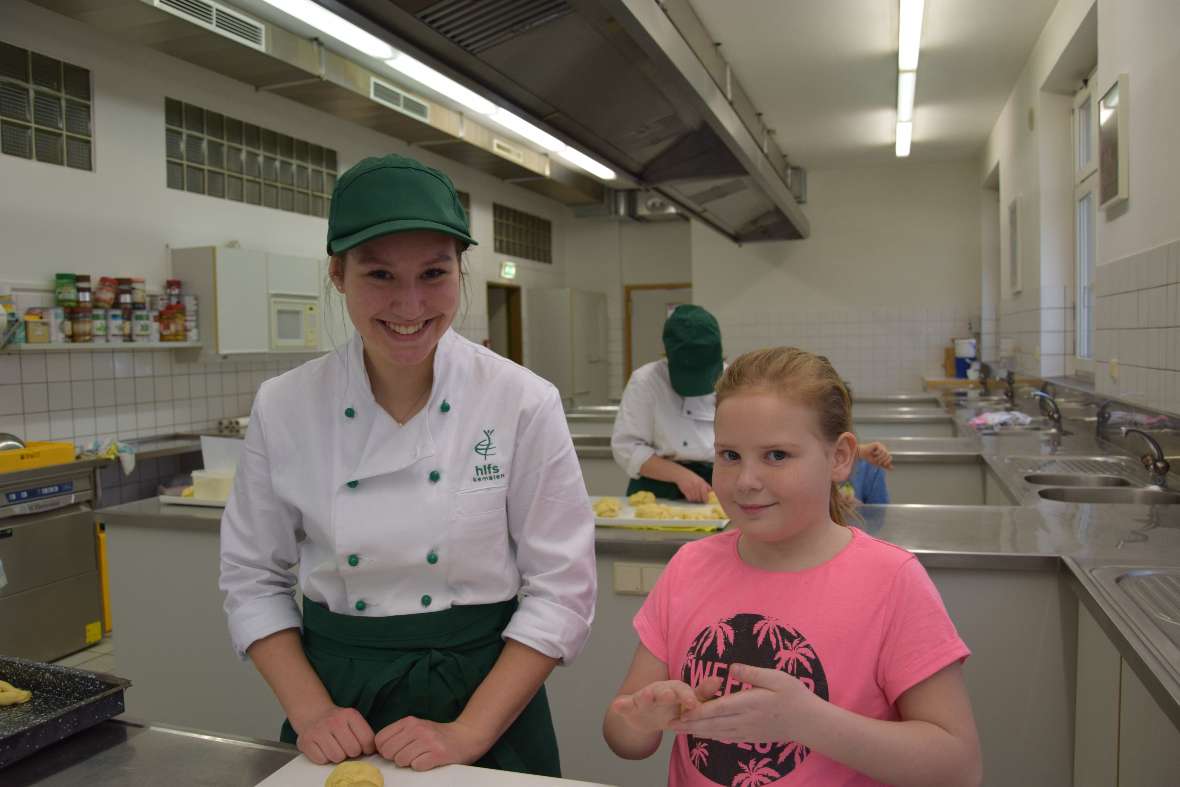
425, 665
667, 489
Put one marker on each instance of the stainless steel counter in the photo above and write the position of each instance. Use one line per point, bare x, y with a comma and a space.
1036, 534
124, 753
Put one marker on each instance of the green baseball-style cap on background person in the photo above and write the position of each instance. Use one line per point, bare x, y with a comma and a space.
387, 194
692, 340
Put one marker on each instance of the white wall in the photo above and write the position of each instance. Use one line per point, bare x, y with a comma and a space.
119, 219
890, 274
1137, 319
605, 256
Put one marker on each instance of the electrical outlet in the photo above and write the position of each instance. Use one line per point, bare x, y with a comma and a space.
628, 578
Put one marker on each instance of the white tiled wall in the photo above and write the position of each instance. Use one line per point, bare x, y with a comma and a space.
1038, 338
883, 350
86, 395
1137, 328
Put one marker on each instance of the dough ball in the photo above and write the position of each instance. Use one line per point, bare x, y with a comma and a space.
639, 498
712, 499
352, 773
608, 507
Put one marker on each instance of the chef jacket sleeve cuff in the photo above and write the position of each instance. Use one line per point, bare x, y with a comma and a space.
639, 455
260, 617
549, 628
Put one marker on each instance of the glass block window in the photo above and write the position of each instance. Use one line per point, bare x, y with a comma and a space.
209, 153
520, 234
46, 111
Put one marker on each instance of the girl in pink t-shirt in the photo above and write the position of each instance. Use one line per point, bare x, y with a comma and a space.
793, 648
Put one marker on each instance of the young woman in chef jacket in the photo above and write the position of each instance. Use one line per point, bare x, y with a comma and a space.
793, 644
423, 495
663, 434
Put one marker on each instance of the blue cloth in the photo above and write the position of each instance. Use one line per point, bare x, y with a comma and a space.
868, 483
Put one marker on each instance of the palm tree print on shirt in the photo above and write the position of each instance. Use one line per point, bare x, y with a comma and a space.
760, 641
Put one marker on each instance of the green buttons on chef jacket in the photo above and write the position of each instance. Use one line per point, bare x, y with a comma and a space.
349, 412
435, 476
353, 484
445, 406
360, 606
432, 557
353, 560
426, 601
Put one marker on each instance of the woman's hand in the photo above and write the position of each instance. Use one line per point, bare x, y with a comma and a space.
877, 454
416, 743
657, 705
334, 735
774, 709
694, 488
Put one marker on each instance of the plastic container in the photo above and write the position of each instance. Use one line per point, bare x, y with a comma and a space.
65, 290
212, 484
115, 326
34, 455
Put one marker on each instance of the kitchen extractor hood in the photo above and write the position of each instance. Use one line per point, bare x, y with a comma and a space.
638, 83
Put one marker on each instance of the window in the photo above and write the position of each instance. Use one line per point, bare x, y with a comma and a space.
1085, 146
45, 109
209, 153
520, 234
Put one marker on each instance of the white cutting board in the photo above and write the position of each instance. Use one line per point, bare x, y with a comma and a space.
627, 518
302, 772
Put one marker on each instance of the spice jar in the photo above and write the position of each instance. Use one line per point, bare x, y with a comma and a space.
65, 290
138, 292
105, 292
83, 325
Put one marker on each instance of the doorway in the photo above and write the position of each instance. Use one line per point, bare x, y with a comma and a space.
504, 322
646, 308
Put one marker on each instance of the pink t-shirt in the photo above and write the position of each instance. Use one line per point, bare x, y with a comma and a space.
859, 630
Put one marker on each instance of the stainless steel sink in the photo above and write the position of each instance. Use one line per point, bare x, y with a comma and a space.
1143, 496
1076, 479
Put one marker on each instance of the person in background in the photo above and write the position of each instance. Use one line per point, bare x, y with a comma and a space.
793, 644
663, 435
423, 495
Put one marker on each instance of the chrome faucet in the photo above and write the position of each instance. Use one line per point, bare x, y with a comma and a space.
1049, 407
1154, 461
1010, 388
1103, 417
985, 378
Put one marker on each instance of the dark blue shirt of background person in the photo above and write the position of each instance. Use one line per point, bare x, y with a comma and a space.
868, 483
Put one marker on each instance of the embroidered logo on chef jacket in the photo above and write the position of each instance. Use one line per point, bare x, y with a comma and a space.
487, 472
759, 641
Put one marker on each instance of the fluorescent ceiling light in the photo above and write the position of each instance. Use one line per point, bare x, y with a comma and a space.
909, 38
905, 133
334, 26
906, 81
523, 128
443, 85
582, 161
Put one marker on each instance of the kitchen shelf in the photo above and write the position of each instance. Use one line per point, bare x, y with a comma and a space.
97, 346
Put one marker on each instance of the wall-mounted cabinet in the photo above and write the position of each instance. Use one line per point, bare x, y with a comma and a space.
255, 302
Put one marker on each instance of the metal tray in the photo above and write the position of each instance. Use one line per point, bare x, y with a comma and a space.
65, 701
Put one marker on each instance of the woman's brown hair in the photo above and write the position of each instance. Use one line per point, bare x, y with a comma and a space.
801, 377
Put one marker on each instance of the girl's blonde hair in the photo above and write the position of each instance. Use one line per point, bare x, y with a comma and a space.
807, 379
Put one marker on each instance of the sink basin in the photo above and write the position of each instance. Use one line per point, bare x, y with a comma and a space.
1075, 479
1143, 497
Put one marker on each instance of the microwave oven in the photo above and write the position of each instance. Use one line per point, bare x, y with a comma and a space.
294, 323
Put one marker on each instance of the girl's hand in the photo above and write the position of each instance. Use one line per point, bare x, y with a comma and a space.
415, 743
657, 705
774, 710
877, 454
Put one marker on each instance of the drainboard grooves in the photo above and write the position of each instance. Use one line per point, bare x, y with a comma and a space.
1158, 594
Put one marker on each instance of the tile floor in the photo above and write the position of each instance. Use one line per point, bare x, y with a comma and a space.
96, 658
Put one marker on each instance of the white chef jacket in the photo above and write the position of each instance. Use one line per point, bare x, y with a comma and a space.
654, 420
477, 499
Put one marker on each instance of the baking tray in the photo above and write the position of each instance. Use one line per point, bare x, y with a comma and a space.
204, 502
65, 701
627, 519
